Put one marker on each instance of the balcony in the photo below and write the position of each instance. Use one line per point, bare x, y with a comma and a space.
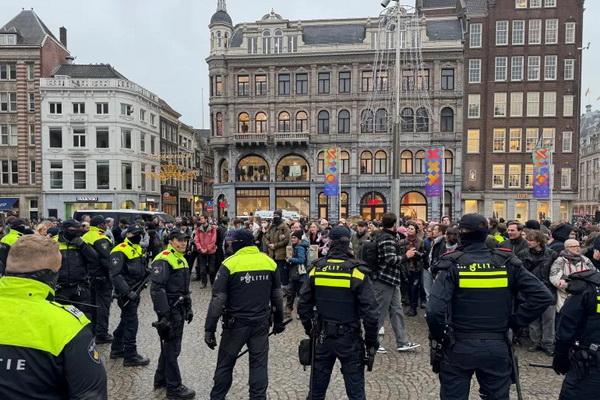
291, 138
250, 139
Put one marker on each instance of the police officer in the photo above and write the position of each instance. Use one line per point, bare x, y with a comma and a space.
73, 279
101, 286
478, 286
248, 288
18, 228
47, 349
128, 271
579, 321
170, 293
343, 295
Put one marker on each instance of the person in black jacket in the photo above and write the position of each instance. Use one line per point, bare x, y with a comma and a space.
560, 234
343, 297
47, 349
515, 241
470, 312
538, 259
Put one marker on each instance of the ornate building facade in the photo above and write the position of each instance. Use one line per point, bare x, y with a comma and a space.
284, 91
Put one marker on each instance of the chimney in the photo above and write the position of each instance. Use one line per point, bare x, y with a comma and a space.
63, 36
588, 108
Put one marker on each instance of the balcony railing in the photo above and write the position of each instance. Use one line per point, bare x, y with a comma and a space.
250, 139
291, 138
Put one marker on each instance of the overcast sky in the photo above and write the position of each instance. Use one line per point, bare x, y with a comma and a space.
162, 44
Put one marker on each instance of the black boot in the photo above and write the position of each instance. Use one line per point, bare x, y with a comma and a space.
136, 361
103, 339
114, 354
182, 392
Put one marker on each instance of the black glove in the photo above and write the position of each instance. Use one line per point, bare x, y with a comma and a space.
132, 296
163, 326
560, 363
370, 344
307, 328
210, 340
77, 241
189, 315
278, 328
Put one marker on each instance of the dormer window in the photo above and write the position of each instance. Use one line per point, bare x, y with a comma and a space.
8, 39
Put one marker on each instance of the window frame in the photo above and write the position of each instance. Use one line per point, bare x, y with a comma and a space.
502, 34
473, 136
498, 171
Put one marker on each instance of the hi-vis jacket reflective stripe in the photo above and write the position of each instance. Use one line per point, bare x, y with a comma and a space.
175, 259
482, 276
129, 249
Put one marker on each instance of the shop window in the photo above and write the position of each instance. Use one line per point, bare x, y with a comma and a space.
251, 200
373, 206
293, 168
413, 205
252, 169
297, 200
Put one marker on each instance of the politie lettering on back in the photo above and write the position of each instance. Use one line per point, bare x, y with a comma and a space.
9, 364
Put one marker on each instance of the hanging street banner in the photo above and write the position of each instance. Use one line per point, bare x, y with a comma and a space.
332, 173
542, 159
434, 160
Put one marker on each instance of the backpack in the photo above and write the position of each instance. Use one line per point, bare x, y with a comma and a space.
369, 252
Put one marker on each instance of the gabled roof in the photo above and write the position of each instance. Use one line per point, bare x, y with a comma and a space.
439, 3
30, 29
90, 71
444, 29
334, 34
476, 7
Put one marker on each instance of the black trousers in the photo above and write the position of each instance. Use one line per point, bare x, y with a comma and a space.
101, 291
126, 332
489, 360
349, 349
232, 341
206, 268
79, 293
167, 370
414, 288
586, 388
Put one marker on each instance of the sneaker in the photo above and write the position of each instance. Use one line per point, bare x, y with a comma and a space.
381, 350
381, 331
408, 346
136, 361
182, 392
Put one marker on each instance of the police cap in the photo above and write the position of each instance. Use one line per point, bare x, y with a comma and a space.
97, 220
16, 223
71, 224
243, 236
339, 232
474, 223
135, 230
177, 235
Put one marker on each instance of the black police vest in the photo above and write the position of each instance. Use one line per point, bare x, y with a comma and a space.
482, 300
332, 281
591, 332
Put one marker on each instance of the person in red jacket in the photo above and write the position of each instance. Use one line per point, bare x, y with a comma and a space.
205, 239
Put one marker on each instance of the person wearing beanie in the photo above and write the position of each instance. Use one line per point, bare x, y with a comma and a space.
560, 234
470, 306
345, 302
17, 228
73, 279
99, 270
51, 346
248, 287
533, 224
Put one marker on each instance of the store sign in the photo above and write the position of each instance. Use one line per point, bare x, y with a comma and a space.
434, 160
541, 174
86, 199
332, 174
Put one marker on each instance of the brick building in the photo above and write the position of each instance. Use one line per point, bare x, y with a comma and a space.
28, 51
522, 85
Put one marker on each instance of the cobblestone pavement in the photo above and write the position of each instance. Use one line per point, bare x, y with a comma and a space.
395, 376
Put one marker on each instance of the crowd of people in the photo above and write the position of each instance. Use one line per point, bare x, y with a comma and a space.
399, 261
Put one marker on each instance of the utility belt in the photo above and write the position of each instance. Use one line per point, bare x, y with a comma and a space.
231, 322
584, 358
79, 285
458, 336
334, 329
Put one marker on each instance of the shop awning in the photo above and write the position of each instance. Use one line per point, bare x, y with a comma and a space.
7, 203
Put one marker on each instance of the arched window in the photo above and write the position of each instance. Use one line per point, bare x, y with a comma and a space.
323, 127
408, 120
345, 162
219, 123
344, 121
321, 163
212, 40
381, 162
219, 39
301, 121
226, 42
372, 206
406, 162
224, 171
447, 120
266, 44
323, 206
283, 122
413, 205
448, 162
261, 123
366, 121
422, 120
420, 162
278, 41
243, 122
252, 169
381, 120
293, 168
366, 162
